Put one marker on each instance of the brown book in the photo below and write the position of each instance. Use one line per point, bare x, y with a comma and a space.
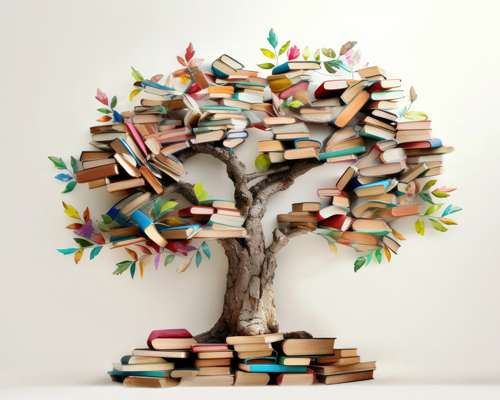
267, 338
97, 173
350, 110
212, 362
368, 72
221, 89
375, 122
215, 354
304, 347
174, 234
94, 155
205, 381
307, 225
309, 218
394, 212
254, 354
204, 371
170, 104
346, 361
125, 184
108, 127
126, 231
335, 369
301, 153
242, 378
343, 378
98, 183
346, 144
152, 180
428, 151
311, 207
149, 382
207, 233
271, 145
183, 373
358, 237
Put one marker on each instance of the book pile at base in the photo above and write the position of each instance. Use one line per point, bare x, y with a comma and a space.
173, 358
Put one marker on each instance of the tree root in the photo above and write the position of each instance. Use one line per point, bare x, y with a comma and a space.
218, 335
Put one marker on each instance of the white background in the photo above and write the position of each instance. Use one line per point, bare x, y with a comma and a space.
430, 317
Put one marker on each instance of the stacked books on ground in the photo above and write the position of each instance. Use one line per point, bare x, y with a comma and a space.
213, 360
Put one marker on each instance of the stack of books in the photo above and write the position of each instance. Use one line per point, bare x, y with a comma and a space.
213, 361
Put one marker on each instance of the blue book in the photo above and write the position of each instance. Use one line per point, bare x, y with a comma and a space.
296, 65
272, 368
156, 85
153, 374
237, 135
345, 152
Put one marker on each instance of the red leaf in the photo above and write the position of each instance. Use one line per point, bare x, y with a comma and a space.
74, 226
152, 244
97, 238
181, 61
132, 253
144, 249
189, 52
194, 89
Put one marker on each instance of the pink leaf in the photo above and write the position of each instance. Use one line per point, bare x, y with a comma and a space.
293, 53
156, 78
181, 61
348, 56
97, 238
444, 189
189, 52
157, 260
101, 96
195, 62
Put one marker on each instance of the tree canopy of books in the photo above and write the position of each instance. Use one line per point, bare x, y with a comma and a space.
139, 155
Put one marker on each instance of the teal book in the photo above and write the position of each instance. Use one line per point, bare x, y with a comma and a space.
345, 152
153, 374
277, 368
296, 65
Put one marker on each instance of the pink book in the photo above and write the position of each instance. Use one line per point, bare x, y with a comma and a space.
285, 94
137, 138
167, 333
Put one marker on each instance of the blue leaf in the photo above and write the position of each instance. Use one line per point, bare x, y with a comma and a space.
198, 259
117, 117
447, 210
63, 177
206, 249
95, 251
67, 251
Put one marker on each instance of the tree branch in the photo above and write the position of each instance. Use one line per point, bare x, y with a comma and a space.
235, 171
185, 189
273, 170
281, 237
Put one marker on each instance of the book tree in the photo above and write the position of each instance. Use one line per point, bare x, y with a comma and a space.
139, 155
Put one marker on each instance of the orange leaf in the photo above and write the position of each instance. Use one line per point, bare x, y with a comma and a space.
387, 254
398, 235
74, 226
144, 249
104, 118
131, 253
141, 267
86, 214
78, 255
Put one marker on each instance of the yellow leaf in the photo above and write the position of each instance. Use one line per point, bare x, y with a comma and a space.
173, 222
78, 255
398, 235
141, 268
133, 93
86, 214
183, 266
333, 248
185, 79
70, 211
387, 254
448, 221
131, 253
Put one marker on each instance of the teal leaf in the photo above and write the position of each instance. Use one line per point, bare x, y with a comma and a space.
95, 252
169, 259
266, 66
273, 38
284, 48
58, 162
369, 257
132, 269
113, 102
157, 207
122, 267
137, 75
104, 110
63, 177
433, 209
83, 242
268, 53
69, 187
206, 249
106, 218
102, 227
198, 259
359, 263
378, 255
429, 184
67, 251
402, 111
437, 225
420, 227
74, 165
426, 197
455, 209
447, 210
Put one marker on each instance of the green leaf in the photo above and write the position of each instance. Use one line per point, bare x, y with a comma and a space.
83, 242
157, 207
441, 195
284, 48
199, 192
169, 259
433, 209
429, 184
306, 53
359, 263
420, 226
426, 197
330, 69
74, 165
378, 255
296, 104
266, 66
132, 269
113, 102
416, 116
69, 187
317, 55
95, 252
268, 53
198, 259
58, 162
122, 267
137, 75
104, 110
402, 111
102, 227
168, 206
369, 257
206, 249
106, 218
328, 52
437, 225
262, 162
273, 38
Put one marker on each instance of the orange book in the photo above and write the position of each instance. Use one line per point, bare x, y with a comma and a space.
351, 109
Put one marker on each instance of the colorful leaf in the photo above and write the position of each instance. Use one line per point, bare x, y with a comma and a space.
83, 242
398, 235
137, 75
58, 162
429, 184
157, 208
114, 100
141, 268
348, 56
448, 221
69, 187
106, 218
132, 269
156, 78
284, 48
102, 227
328, 52
402, 111
206, 249
346, 47
122, 267
157, 260
296, 104
86, 214
426, 197
378, 255
78, 255
104, 118
387, 254
181, 61
420, 226
416, 116
329, 68
189, 52
63, 177
198, 259
440, 195
183, 266
74, 226
262, 162
131, 253
199, 192
445, 189
144, 249
356, 57
196, 62
273, 38
169, 205
437, 225
454, 210
333, 248
369, 257
67, 251
293, 53
70, 211
133, 93
101, 96
268, 53
168, 259
317, 55
359, 263
432, 209
306, 53
95, 252
266, 66
413, 94
117, 117
74, 165
104, 110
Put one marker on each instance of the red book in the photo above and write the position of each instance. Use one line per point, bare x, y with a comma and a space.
168, 333
385, 85
285, 94
196, 210
338, 222
333, 88
417, 145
